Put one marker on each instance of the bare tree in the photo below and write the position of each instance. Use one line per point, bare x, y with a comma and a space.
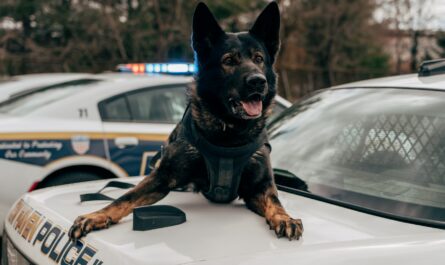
407, 19
327, 43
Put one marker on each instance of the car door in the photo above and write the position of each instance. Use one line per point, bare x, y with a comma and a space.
136, 124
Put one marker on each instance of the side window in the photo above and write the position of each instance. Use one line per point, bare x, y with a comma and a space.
158, 104
116, 110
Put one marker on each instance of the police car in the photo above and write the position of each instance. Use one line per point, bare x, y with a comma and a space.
362, 164
17, 85
96, 127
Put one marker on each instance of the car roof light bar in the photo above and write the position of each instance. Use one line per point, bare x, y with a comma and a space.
157, 68
432, 67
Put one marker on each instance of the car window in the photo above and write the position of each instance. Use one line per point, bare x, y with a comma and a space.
31, 101
164, 104
117, 109
382, 149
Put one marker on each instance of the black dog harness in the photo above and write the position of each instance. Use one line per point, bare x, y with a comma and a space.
224, 164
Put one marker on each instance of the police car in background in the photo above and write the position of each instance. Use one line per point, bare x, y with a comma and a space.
104, 126
17, 85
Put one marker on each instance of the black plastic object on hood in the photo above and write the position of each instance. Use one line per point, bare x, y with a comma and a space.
157, 216
144, 217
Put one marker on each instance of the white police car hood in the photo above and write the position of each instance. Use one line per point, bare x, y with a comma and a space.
217, 234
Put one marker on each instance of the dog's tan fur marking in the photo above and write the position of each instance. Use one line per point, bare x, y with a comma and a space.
143, 194
267, 204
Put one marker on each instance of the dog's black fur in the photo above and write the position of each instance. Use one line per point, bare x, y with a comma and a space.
235, 87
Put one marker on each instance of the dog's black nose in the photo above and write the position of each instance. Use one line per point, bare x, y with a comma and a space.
256, 81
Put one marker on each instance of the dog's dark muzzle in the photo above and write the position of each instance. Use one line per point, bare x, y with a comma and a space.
256, 83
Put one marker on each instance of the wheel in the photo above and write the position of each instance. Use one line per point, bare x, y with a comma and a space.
67, 178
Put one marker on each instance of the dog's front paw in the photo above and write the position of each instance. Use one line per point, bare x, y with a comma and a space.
286, 226
86, 223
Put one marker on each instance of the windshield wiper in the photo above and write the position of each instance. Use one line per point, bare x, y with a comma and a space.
286, 178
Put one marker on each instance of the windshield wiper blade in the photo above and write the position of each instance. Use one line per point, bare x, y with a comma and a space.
286, 178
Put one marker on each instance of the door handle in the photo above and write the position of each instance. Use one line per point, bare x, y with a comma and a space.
123, 142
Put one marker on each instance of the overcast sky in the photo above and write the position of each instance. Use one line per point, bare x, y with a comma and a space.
439, 14
435, 8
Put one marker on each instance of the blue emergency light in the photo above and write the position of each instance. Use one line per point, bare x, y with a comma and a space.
157, 68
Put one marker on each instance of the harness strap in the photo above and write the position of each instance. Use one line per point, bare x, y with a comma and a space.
99, 196
224, 164
86, 197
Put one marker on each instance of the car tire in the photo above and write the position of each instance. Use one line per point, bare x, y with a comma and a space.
68, 178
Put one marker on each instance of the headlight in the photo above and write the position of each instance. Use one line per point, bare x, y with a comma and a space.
10, 255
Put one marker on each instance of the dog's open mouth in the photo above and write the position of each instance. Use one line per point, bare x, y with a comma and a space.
252, 106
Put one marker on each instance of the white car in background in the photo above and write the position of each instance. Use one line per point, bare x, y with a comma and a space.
100, 127
362, 164
17, 85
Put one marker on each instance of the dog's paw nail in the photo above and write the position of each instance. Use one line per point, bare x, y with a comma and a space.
287, 227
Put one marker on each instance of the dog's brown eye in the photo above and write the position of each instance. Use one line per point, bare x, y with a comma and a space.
258, 59
228, 61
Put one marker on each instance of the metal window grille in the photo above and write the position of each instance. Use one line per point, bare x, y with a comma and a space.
392, 141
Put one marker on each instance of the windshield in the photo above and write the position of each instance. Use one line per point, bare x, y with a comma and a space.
31, 101
277, 110
379, 148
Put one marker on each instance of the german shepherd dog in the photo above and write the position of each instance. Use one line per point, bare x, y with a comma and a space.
233, 95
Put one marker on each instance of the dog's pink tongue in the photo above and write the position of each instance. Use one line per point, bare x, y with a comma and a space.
252, 108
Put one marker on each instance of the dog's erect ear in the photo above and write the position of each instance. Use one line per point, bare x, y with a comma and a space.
206, 31
267, 28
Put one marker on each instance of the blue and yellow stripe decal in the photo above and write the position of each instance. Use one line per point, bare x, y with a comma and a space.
42, 148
